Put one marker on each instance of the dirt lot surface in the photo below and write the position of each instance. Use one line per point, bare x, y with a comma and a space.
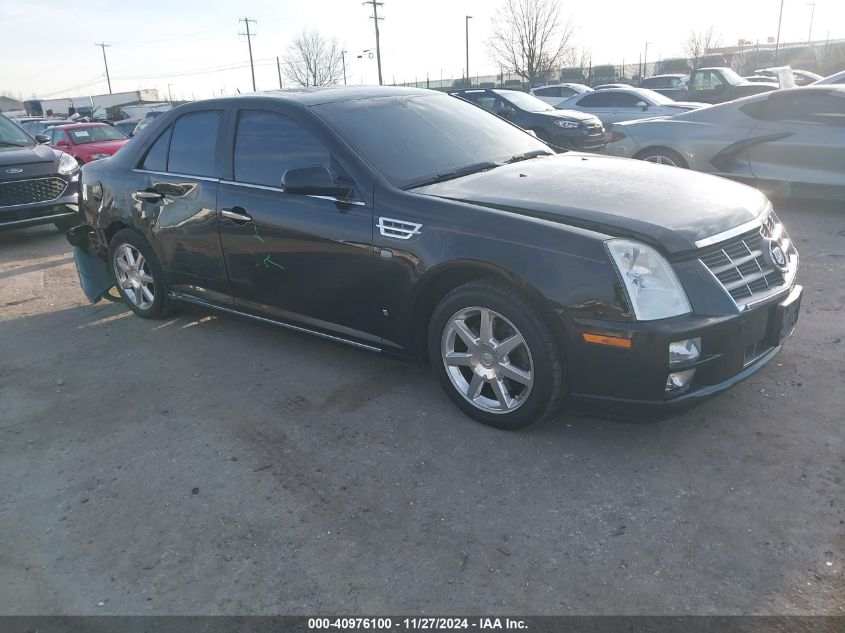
205, 465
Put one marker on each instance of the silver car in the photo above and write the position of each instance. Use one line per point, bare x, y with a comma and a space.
615, 104
789, 142
835, 79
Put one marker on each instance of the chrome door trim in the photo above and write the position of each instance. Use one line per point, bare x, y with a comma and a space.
356, 203
165, 173
178, 296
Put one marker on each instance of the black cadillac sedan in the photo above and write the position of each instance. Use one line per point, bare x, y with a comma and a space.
411, 223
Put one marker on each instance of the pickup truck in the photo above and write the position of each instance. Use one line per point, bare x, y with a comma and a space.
717, 85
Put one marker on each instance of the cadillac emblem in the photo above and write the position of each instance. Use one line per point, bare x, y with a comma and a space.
777, 256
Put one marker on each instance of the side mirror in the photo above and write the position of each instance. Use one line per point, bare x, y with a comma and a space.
642, 105
314, 180
42, 139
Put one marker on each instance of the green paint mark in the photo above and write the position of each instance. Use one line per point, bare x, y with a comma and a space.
268, 261
257, 236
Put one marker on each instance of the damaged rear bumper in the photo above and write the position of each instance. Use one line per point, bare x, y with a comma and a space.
91, 262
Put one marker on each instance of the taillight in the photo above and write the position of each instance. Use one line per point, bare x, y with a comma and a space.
612, 137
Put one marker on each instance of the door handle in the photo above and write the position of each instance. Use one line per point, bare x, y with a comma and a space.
148, 196
236, 214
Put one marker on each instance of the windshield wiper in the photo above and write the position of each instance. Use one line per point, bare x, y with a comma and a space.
529, 155
459, 172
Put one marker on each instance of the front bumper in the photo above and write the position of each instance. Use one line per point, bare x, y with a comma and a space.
633, 381
579, 139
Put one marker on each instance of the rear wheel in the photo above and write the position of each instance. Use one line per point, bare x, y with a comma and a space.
495, 356
662, 156
138, 275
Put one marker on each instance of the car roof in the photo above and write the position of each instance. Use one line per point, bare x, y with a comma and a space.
333, 94
73, 126
665, 75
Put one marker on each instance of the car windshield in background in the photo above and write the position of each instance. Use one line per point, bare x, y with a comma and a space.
95, 134
11, 135
525, 101
656, 97
412, 139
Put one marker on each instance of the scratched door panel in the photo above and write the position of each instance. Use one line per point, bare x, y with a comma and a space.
301, 258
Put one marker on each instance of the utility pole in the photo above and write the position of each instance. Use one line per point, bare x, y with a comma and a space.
777, 42
279, 68
249, 35
645, 64
812, 6
169, 94
468, 18
343, 60
376, 18
104, 46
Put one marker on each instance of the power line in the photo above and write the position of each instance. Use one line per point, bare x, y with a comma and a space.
265, 61
90, 82
249, 35
104, 46
375, 19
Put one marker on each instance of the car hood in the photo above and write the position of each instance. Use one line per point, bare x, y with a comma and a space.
109, 147
666, 206
26, 155
570, 115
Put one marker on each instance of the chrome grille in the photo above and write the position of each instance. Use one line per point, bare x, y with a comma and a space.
17, 192
742, 266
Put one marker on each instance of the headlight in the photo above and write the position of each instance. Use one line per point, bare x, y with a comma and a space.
99, 156
652, 286
67, 164
566, 124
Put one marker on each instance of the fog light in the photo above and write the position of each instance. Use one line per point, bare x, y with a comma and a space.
679, 381
681, 352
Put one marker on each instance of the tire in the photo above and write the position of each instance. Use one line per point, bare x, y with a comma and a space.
488, 365
662, 156
140, 281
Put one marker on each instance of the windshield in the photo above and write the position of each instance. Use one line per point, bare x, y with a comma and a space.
411, 139
11, 135
731, 76
525, 101
94, 134
656, 97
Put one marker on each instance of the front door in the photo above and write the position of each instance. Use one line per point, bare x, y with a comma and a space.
295, 257
173, 192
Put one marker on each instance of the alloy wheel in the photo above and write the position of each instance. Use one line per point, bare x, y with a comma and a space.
133, 275
487, 360
660, 159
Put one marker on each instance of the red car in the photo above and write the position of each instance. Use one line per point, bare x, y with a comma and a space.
86, 142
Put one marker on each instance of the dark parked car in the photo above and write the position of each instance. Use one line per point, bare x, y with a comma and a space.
718, 85
565, 129
37, 184
412, 223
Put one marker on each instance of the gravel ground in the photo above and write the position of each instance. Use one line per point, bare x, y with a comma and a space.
207, 465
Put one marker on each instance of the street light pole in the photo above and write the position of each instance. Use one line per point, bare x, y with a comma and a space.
812, 6
343, 60
645, 64
777, 42
466, 22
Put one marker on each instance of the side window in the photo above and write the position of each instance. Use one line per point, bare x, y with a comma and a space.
597, 99
626, 99
812, 108
58, 135
156, 158
193, 144
543, 92
566, 92
267, 144
702, 80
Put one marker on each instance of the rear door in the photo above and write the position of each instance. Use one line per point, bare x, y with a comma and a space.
301, 258
807, 146
625, 107
173, 193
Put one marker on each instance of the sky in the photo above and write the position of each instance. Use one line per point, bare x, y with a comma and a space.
192, 48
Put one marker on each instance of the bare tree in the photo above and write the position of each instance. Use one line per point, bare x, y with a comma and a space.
699, 42
530, 38
313, 60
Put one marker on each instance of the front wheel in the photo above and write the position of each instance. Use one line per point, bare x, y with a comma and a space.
662, 156
495, 356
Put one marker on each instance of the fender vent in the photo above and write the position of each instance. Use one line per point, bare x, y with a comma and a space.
400, 229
